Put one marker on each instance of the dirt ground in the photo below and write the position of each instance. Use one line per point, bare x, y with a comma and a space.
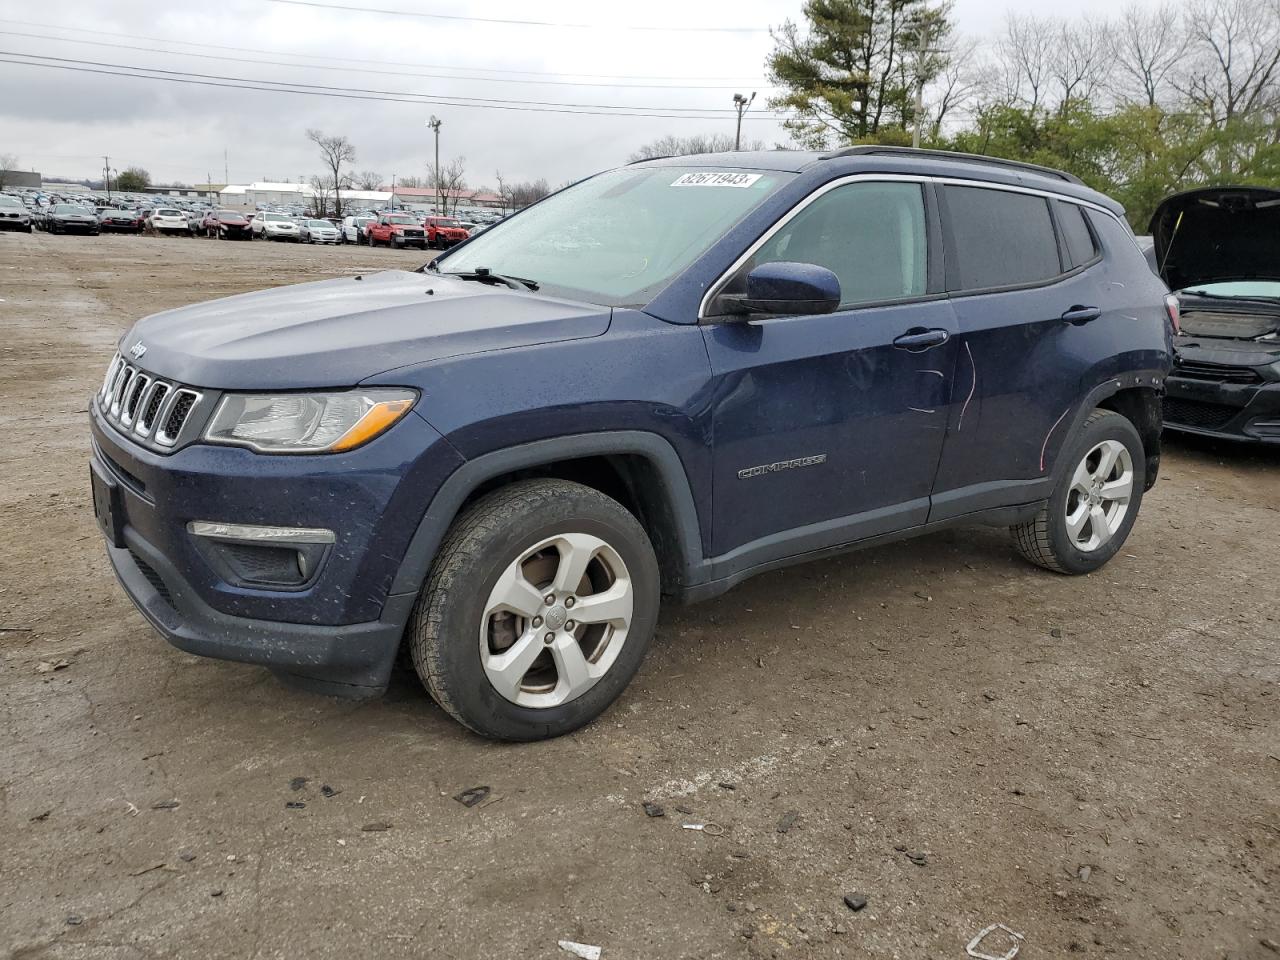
937, 698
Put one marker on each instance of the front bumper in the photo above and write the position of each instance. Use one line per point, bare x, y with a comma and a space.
339, 631
1223, 411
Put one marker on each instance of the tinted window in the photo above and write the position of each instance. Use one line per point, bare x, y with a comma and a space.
1001, 238
870, 235
1075, 230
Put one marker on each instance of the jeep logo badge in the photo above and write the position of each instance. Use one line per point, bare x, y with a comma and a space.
137, 350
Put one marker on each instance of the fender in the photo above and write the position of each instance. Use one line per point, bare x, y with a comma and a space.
1149, 379
467, 478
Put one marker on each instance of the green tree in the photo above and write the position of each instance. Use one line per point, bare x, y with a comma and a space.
132, 180
850, 76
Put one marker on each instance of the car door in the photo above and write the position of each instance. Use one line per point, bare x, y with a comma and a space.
1023, 301
828, 429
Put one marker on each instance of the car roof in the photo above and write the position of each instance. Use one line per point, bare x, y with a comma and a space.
901, 160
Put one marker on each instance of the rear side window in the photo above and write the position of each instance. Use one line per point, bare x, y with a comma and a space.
1002, 239
870, 235
1081, 247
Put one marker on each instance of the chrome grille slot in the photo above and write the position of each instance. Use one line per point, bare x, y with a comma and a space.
137, 387
176, 416
159, 390
151, 411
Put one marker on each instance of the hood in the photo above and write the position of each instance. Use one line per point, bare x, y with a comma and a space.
1218, 234
334, 333
73, 216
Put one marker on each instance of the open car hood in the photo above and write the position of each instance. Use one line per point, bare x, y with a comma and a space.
1217, 234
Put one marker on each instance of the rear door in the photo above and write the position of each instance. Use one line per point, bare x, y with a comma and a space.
1021, 271
828, 428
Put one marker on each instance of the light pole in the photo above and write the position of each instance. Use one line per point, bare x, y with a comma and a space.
434, 124
922, 50
741, 104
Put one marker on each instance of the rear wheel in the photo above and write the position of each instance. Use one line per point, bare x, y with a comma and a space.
539, 609
1095, 501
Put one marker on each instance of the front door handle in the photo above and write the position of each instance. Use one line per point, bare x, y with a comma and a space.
1081, 315
919, 338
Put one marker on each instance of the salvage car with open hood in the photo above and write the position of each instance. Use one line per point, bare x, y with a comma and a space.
1218, 249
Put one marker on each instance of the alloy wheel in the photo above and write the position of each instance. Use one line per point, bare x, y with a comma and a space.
556, 620
1098, 498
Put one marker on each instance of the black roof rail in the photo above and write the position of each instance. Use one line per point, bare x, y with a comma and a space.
871, 149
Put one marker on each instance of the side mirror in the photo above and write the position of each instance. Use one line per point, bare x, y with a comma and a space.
786, 288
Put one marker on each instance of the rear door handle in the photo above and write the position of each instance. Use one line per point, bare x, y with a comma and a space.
1079, 315
919, 338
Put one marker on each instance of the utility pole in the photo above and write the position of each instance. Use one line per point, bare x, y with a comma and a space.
226, 178
106, 175
392, 202
434, 124
741, 104
922, 48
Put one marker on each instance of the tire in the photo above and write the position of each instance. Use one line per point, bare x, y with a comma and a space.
1046, 539
484, 545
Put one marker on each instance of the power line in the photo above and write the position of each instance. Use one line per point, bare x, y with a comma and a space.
389, 73
344, 93
519, 23
328, 59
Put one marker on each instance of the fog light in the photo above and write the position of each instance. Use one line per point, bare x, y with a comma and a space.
247, 555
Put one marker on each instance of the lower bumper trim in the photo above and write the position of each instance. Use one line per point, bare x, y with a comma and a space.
351, 660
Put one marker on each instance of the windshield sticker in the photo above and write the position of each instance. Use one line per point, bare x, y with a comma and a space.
717, 180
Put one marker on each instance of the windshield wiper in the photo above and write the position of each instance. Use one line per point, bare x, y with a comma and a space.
485, 275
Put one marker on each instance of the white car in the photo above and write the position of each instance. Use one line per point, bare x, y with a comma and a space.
275, 226
13, 214
169, 220
353, 229
318, 231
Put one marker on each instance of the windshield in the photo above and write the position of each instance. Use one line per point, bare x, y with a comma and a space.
319, 223
620, 237
69, 208
1237, 288
275, 218
10, 202
401, 220
444, 222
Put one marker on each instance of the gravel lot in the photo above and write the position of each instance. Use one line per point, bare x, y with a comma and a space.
938, 697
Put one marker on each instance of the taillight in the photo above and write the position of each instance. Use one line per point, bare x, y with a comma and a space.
1174, 309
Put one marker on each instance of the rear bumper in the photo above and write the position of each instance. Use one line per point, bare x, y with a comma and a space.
1230, 411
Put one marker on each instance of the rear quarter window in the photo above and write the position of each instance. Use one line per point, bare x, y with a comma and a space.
1081, 247
1001, 238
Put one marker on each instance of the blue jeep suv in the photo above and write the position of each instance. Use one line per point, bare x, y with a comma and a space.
657, 382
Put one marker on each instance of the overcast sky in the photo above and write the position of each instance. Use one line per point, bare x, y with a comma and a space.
61, 122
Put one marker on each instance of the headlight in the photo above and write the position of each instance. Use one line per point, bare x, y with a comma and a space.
306, 422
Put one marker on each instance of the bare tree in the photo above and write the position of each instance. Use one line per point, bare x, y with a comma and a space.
1024, 54
322, 195
672, 146
1233, 63
8, 161
451, 182
410, 182
335, 151
959, 81
369, 180
1146, 45
1081, 62
523, 194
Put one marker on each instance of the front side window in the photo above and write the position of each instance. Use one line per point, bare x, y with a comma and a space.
1002, 238
620, 237
870, 235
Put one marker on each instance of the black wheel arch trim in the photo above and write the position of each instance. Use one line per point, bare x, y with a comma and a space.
1142, 379
453, 493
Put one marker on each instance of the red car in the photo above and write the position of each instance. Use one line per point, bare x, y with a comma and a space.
444, 232
226, 225
396, 230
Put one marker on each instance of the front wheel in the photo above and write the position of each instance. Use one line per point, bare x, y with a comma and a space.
539, 609
1095, 501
